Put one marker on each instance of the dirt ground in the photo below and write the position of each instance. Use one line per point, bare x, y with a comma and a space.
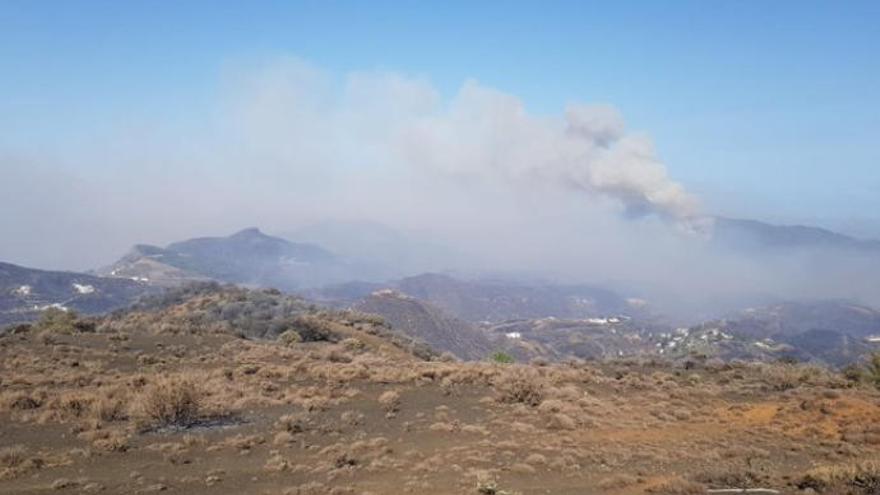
149, 411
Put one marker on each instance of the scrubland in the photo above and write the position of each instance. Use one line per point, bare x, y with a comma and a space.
163, 400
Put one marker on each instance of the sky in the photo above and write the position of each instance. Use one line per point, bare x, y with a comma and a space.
768, 110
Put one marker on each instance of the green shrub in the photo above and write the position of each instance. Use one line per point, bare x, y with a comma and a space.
19, 329
57, 320
313, 329
502, 357
289, 337
853, 373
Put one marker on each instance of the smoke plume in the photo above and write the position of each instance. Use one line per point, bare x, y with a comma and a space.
486, 133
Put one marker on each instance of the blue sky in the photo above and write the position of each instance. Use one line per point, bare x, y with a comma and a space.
767, 109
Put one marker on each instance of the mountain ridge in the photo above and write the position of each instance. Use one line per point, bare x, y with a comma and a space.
26, 292
246, 257
740, 232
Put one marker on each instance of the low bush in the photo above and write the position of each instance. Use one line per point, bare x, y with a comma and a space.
172, 401
502, 358
23, 402
520, 386
860, 478
312, 328
390, 400
678, 486
872, 370
854, 373
490, 487
57, 320
782, 377
14, 456
289, 337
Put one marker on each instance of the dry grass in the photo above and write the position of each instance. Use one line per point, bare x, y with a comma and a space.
22, 402
861, 477
172, 401
677, 486
14, 456
520, 385
292, 423
782, 376
17, 460
313, 419
618, 481
490, 487
110, 408
289, 337
390, 400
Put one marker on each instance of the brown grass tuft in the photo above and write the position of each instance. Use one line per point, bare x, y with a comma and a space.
520, 386
861, 477
677, 486
172, 401
11, 457
15, 461
618, 481
292, 423
390, 400
23, 402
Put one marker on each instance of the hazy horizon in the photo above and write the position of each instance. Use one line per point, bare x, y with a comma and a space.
582, 143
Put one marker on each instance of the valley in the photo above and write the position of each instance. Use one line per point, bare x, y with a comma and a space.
475, 317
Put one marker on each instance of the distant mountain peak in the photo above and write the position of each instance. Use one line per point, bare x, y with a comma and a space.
250, 232
754, 233
144, 250
248, 257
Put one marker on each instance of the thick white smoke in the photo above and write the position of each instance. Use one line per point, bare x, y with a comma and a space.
289, 144
487, 133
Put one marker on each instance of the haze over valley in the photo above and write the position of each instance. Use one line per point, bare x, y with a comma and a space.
312, 248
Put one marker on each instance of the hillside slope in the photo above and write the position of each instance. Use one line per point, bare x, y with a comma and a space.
25, 292
486, 300
835, 333
175, 396
248, 257
743, 233
422, 321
